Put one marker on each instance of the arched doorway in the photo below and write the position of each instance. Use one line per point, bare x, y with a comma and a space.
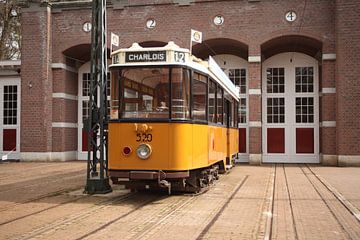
231, 55
290, 103
237, 70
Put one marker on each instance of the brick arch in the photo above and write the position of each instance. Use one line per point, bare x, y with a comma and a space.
292, 43
81, 52
218, 46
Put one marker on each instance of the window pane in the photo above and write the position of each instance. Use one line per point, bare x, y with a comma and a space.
199, 100
212, 99
304, 79
238, 77
10, 105
114, 102
219, 96
275, 110
180, 93
304, 109
145, 93
242, 110
275, 80
86, 84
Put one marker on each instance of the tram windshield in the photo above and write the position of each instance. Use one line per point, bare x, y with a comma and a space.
143, 93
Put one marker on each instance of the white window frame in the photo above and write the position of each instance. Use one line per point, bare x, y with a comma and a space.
6, 82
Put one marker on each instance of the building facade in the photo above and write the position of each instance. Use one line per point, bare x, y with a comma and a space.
295, 62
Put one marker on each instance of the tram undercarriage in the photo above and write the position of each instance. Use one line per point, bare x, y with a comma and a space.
191, 181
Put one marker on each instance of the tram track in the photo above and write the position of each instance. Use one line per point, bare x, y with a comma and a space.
167, 211
296, 236
41, 197
23, 191
327, 200
351, 208
172, 205
47, 180
8, 174
76, 217
270, 215
221, 210
42, 210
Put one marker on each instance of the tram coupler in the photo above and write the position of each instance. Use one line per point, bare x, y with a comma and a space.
164, 183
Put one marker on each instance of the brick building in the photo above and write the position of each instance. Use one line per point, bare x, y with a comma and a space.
296, 63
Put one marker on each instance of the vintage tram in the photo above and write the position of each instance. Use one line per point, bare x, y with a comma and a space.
173, 119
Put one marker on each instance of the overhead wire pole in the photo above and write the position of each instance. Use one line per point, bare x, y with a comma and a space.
97, 179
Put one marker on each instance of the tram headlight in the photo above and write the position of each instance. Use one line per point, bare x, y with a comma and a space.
143, 151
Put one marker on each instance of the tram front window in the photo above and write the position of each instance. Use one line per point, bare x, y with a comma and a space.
145, 93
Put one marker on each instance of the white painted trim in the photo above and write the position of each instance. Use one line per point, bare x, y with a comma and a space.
328, 124
255, 159
10, 63
254, 59
65, 96
255, 124
256, 91
329, 160
349, 160
328, 90
48, 156
64, 66
64, 125
329, 56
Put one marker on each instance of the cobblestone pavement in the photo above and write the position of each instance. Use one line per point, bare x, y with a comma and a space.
275, 201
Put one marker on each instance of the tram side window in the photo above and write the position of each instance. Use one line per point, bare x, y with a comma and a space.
180, 93
232, 116
145, 93
236, 115
227, 110
220, 108
212, 102
199, 90
114, 102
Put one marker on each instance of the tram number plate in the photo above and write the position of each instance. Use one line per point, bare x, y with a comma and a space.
144, 137
179, 57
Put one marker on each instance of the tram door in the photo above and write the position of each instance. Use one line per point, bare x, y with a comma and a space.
10, 119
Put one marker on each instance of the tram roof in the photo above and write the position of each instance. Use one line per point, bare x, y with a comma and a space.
172, 54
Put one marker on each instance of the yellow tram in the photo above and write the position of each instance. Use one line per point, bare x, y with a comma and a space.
173, 119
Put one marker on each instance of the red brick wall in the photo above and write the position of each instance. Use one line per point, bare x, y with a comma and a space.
328, 140
64, 110
328, 110
36, 102
328, 74
65, 82
348, 77
64, 139
255, 140
251, 23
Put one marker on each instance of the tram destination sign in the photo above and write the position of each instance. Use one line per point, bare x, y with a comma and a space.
145, 56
